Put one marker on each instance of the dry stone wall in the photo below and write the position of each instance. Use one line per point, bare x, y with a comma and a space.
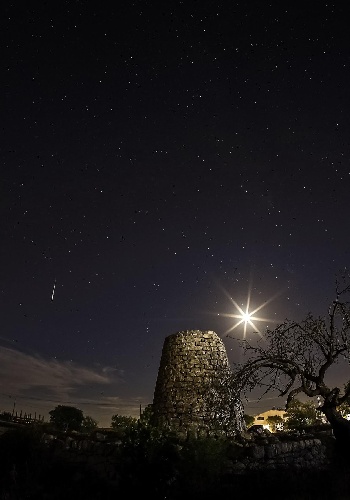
274, 454
101, 458
192, 390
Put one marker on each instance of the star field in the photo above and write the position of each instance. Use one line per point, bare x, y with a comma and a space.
156, 162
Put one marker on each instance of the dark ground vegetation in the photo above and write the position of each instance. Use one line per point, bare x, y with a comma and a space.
150, 465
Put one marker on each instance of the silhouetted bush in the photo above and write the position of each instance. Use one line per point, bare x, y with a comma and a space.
159, 463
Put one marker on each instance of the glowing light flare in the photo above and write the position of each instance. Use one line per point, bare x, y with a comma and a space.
247, 317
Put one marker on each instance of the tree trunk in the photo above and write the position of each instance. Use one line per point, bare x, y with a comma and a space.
340, 426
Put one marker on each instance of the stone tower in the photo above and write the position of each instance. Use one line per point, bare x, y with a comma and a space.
192, 389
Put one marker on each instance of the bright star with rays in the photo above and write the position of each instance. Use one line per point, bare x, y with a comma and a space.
247, 317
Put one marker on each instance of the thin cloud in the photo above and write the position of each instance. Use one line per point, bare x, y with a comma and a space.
34, 384
21, 372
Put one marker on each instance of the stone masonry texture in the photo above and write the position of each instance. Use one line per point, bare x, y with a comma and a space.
193, 390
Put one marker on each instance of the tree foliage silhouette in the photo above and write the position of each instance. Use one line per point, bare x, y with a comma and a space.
295, 358
66, 418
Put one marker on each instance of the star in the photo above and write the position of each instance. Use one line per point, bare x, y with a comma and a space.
246, 316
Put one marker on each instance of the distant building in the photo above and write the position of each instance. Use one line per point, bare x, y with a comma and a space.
261, 419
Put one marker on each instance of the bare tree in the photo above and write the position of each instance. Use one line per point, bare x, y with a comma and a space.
295, 358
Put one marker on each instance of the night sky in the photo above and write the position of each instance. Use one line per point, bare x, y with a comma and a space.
157, 161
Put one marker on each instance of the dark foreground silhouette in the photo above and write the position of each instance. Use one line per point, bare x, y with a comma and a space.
29, 470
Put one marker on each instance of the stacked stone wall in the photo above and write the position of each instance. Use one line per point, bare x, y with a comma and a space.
193, 385
309, 453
